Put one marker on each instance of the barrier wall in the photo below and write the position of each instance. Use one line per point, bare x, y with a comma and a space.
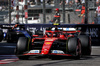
92, 30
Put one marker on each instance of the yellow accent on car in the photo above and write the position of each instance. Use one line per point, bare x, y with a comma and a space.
47, 42
55, 23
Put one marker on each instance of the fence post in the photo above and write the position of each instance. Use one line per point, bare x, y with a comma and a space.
17, 9
63, 11
68, 18
9, 4
44, 13
86, 11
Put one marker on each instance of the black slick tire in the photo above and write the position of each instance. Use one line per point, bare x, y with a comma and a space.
22, 46
85, 44
74, 48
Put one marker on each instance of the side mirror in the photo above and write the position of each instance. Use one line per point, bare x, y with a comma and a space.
35, 35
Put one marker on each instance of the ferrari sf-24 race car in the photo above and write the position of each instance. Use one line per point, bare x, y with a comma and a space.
55, 42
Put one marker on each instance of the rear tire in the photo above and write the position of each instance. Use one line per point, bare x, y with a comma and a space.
74, 47
85, 44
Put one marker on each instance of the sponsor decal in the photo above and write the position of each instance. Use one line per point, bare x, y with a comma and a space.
8, 25
93, 32
34, 51
57, 51
67, 28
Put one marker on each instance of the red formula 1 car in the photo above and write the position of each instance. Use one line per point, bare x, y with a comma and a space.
55, 41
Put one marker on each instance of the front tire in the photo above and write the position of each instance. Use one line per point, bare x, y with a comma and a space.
22, 46
74, 47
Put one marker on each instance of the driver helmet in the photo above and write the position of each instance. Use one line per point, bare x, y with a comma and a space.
17, 28
57, 9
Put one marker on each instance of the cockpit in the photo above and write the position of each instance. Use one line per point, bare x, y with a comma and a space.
54, 34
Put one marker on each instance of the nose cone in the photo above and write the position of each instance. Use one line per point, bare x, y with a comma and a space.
45, 51
46, 47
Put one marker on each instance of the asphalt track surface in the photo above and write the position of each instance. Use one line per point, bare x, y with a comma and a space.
7, 58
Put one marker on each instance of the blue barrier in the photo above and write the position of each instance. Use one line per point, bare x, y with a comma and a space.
92, 30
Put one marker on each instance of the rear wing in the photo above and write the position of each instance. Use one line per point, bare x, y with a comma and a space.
71, 30
10, 26
66, 29
5, 28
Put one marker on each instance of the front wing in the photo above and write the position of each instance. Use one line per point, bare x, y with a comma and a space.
54, 52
